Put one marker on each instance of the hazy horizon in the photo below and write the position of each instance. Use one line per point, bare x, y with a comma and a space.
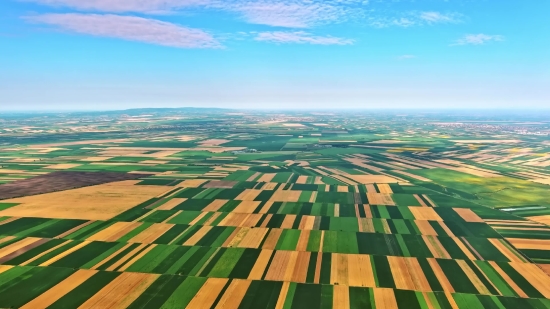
287, 109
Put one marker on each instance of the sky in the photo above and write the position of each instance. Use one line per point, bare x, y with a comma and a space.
306, 54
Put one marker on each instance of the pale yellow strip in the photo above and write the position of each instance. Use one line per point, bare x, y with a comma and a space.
197, 236
425, 227
246, 206
400, 273
481, 288
445, 284
4, 268
126, 257
289, 271
208, 293
145, 215
417, 274
248, 195
120, 292
215, 205
446, 229
65, 253
284, 292
173, 216
171, 204
18, 245
505, 251
342, 188
340, 297
198, 218
420, 201
239, 236
253, 238
49, 297
105, 260
267, 177
487, 278
151, 233
384, 298
424, 213
107, 233
7, 238
468, 215
260, 265
360, 271
536, 277
508, 280
234, 294
266, 207
451, 300
384, 188
137, 257
44, 253
313, 197
436, 248
288, 222
464, 249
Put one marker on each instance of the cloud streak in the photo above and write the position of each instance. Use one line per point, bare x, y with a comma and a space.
278, 13
130, 28
414, 18
478, 39
436, 17
300, 37
119, 6
290, 14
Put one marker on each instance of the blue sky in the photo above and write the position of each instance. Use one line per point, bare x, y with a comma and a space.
116, 54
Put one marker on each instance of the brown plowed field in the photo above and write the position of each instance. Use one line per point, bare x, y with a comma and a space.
60, 181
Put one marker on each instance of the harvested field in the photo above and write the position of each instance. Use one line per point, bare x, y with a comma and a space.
220, 184
60, 181
366, 179
541, 219
62, 166
536, 244
100, 202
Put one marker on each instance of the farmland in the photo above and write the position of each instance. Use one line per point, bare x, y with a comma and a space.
217, 209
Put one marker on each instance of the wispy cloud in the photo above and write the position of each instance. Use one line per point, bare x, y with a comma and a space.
300, 37
279, 13
414, 18
478, 39
118, 6
291, 14
130, 28
405, 57
436, 17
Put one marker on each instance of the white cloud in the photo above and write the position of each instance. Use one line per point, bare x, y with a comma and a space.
290, 14
414, 18
436, 17
279, 13
300, 37
130, 28
478, 39
145, 6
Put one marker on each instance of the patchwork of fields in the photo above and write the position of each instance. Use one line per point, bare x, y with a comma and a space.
272, 211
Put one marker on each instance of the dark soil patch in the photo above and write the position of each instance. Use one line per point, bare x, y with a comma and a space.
60, 181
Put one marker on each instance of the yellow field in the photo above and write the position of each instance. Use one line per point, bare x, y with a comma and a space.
101, 202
